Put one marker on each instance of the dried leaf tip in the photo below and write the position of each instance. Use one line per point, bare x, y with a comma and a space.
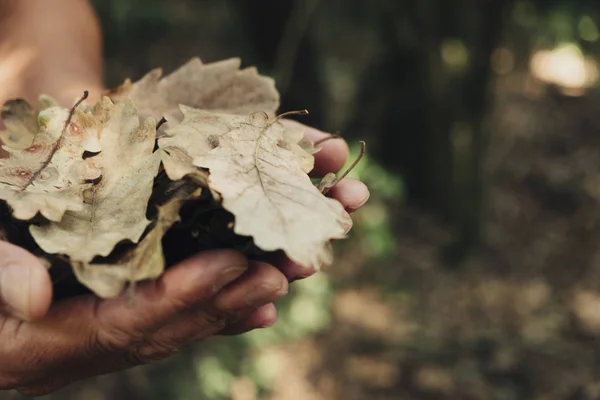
83, 98
160, 123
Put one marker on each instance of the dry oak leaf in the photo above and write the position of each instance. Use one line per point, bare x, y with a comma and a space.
294, 136
50, 176
114, 207
182, 146
20, 121
219, 86
263, 182
144, 261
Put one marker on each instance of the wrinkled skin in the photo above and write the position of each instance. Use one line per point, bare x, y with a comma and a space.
45, 346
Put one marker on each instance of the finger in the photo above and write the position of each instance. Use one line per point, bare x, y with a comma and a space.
264, 317
295, 271
289, 268
333, 153
87, 327
25, 284
351, 193
180, 288
260, 285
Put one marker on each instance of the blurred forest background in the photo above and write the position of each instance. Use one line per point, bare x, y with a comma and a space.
474, 270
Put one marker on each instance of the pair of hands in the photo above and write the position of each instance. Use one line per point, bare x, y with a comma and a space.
55, 48
45, 346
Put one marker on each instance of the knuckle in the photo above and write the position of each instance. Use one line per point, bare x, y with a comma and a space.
214, 316
110, 339
182, 304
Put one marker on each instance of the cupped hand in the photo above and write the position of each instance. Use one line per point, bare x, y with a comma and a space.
44, 347
26, 289
86, 336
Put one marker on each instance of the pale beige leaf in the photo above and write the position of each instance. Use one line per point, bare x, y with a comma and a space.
220, 86
294, 139
50, 176
20, 122
295, 133
263, 183
144, 261
178, 164
45, 101
180, 146
115, 207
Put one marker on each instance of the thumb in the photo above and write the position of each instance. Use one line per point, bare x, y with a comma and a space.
25, 285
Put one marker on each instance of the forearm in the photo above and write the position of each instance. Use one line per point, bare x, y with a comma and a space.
51, 47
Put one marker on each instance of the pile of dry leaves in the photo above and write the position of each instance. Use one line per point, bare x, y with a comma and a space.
197, 157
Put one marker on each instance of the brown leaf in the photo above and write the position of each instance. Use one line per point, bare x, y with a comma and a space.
263, 182
180, 148
219, 86
294, 139
50, 175
178, 164
297, 135
144, 261
115, 207
20, 121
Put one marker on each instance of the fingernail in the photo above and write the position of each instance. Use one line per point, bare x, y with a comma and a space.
265, 293
228, 275
266, 325
364, 201
360, 204
303, 273
15, 287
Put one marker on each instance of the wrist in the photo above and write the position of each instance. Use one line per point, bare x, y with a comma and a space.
51, 47
13, 72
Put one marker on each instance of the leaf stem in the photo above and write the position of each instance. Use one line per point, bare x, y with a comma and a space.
363, 148
286, 114
331, 137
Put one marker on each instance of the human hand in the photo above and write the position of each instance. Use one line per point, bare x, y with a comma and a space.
43, 348
85, 336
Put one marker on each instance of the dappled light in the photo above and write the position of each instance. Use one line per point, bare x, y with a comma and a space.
455, 54
588, 30
566, 67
